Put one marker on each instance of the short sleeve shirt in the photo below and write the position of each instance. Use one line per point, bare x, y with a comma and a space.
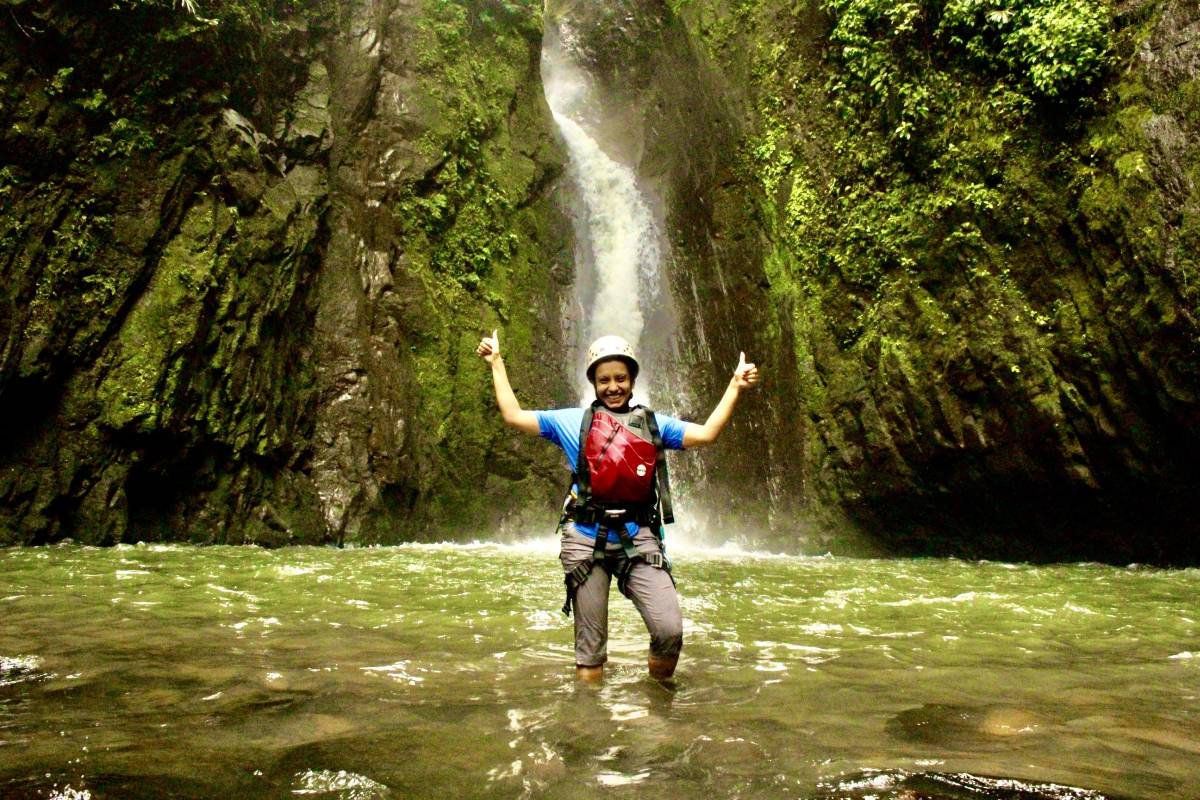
561, 426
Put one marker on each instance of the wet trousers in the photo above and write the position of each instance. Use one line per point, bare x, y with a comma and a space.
650, 588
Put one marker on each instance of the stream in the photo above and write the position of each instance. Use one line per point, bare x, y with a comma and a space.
445, 671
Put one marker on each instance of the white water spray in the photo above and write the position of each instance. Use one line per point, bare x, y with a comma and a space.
618, 250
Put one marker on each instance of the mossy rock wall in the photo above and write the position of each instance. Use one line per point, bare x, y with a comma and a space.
246, 256
987, 282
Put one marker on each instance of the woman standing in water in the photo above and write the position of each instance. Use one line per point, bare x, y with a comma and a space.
612, 521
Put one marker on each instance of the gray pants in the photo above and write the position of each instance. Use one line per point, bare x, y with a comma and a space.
650, 588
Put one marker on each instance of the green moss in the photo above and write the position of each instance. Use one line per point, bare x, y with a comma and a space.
75, 288
143, 377
939, 184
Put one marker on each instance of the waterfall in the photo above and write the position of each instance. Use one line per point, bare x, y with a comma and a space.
621, 251
619, 245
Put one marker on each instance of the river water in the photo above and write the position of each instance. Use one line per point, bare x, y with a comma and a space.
445, 671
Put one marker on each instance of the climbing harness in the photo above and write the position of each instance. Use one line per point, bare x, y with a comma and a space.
620, 476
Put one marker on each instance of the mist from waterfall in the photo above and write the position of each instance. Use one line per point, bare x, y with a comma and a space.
619, 249
621, 253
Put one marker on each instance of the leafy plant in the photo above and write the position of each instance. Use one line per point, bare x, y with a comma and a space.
1057, 47
123, 138
58, 84
1048, 49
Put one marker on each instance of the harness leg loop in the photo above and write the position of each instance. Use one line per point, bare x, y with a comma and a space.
576, 577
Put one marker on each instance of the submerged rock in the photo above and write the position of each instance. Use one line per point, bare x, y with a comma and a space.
963, 725
341, 785
903, 785
21, 669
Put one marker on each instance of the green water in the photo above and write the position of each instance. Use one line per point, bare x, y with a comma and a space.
445, 671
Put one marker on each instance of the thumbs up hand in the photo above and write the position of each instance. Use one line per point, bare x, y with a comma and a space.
745, 374
489, 347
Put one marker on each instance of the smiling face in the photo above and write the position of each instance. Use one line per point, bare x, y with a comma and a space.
613, 384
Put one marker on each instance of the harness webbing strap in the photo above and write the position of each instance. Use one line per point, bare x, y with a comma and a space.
631, 555
583, 476
621, 567
660, 471
576, 577
626, 542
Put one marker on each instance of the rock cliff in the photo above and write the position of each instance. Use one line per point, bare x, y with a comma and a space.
978, 226
246, 254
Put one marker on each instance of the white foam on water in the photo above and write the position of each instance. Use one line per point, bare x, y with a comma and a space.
349, 785
963, 597
235, 593
19, 664
728, 550
291, 570
399, 671
543, 620
549, 545
621, 778
536, 546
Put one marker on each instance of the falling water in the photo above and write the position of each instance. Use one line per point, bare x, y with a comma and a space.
619, 249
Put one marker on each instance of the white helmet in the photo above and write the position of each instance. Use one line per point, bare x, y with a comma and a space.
607, 347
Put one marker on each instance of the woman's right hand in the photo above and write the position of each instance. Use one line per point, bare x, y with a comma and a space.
489, 347
745, 374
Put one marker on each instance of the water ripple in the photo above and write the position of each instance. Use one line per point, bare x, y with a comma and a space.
449, 666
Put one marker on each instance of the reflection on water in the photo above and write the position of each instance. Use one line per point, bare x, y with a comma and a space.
423, 671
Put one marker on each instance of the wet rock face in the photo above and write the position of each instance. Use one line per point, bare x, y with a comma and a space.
242, 289
161, 283
442, 227
231, 314
949, 726
1171, 54
1031, 393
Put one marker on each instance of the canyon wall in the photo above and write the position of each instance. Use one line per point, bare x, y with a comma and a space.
247, 252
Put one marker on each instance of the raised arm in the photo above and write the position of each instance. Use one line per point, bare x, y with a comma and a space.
744, 376
510, 409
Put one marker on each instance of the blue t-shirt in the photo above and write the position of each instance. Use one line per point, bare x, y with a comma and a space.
561, 426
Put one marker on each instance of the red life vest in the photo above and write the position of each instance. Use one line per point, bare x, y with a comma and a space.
620, 462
